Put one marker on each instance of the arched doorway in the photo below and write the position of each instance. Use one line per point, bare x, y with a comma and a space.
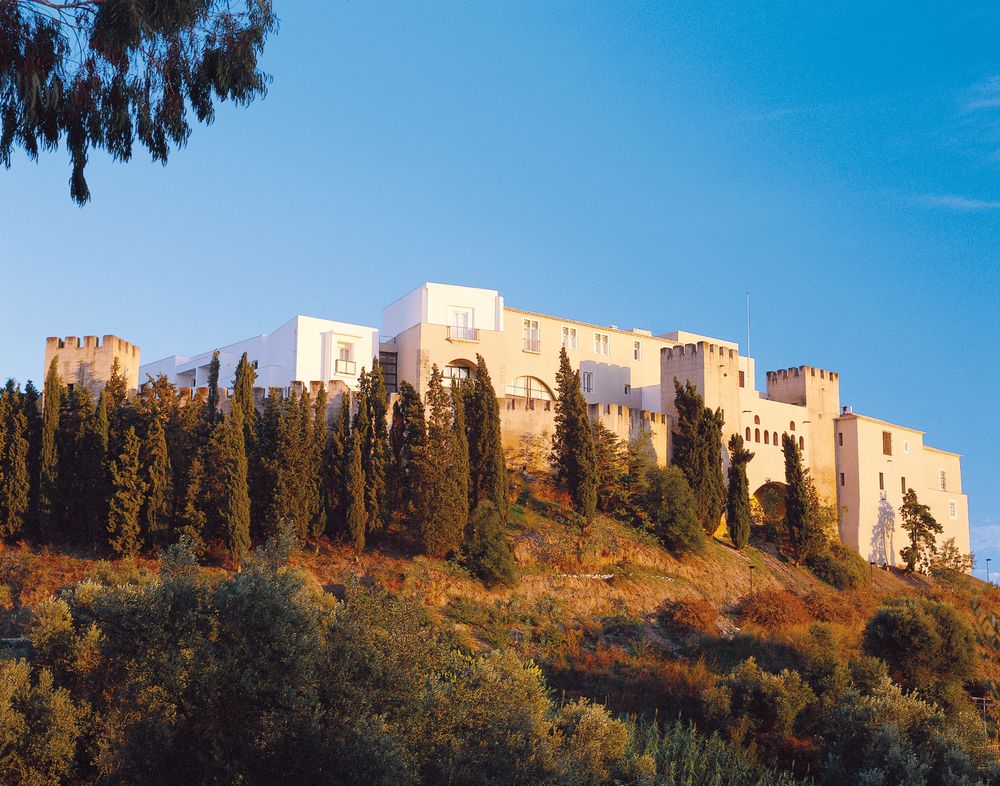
458, 370
771, 498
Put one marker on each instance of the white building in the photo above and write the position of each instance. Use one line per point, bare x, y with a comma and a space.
304, 349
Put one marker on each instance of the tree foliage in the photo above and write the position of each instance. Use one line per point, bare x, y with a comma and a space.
804, 532
738, 493
107, 74
921, 527
487, 469
670, 509
573, 451
128, 491
697, 451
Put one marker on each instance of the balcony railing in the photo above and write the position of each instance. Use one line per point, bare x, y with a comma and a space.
531, 344
460, 333
348, 367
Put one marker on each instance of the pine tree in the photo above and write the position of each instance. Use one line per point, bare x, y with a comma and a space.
443, 519
157, 476
229, 492
191, 518
573, 449
212, 402
354, 487
697, 451
48, 481
487, 468
128, 491
804, 534
738, 493
407, 441
264, 467
13, 472
376, 450
921, 527
119, 416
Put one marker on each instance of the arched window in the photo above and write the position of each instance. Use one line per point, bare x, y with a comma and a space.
802, 443
791, 426
530, 387
748, 433
756, 435
756, 420
774, 437
767, 441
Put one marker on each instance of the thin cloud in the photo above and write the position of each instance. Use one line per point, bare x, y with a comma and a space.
985, 95
959, 204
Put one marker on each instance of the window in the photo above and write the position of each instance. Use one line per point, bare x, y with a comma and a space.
748, 433
345, 360
756, 420
345, 351
743, 381
529, 387
902, 485
587, 381
802, 443
906, 446
529, 335
461, 324
943, 480
766, 439
881, 481
569, 337
756, 435
791, 425
774, 437
842, 478
952, 509
636, 350
601, 343
457, 372
887, 443
840, 438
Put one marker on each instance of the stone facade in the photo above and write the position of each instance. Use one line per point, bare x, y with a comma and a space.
89, 361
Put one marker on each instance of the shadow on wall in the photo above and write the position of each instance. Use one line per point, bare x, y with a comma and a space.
882, 548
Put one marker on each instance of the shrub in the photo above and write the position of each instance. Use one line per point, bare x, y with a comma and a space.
488, 551
773, 609
845, 608
688, 613
839, 566
667, 504
769, 702
927, 646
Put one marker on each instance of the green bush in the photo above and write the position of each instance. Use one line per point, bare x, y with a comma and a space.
488, 552
667, 505
839, 566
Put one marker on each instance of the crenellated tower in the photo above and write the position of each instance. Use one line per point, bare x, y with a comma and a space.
88, 362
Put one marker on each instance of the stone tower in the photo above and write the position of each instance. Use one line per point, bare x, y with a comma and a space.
88, 362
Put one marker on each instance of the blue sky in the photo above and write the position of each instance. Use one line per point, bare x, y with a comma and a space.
641, 164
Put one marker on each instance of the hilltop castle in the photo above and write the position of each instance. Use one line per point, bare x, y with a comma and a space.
627, 378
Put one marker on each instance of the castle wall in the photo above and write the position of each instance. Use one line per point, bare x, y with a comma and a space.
89, 361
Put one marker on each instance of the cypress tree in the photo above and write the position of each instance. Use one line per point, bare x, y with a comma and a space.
376, 450
191, 518
291, 502
407, 440
317, 441
338, 454
156, 474
264, 466
116, 392
230, 493
94, 492
460, 436
804, 535
242, 399
30, 407
363, 427
698, 452
212, 402
48, 481
127, 494
14, 474
488, 552
573, 442
446, 512
738, 493
487, 468
357, 520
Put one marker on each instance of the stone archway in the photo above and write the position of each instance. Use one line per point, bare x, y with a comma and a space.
771, 498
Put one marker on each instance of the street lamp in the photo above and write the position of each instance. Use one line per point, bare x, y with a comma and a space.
988, 570
752, 569
871, 571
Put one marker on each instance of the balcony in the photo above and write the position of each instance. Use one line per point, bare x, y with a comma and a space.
461, 333
347, 367
531, 345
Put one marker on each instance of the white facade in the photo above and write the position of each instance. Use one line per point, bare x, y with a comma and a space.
304, 349
466, 308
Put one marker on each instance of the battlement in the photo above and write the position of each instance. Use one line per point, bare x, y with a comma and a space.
108, 343
702, 348
803, 372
